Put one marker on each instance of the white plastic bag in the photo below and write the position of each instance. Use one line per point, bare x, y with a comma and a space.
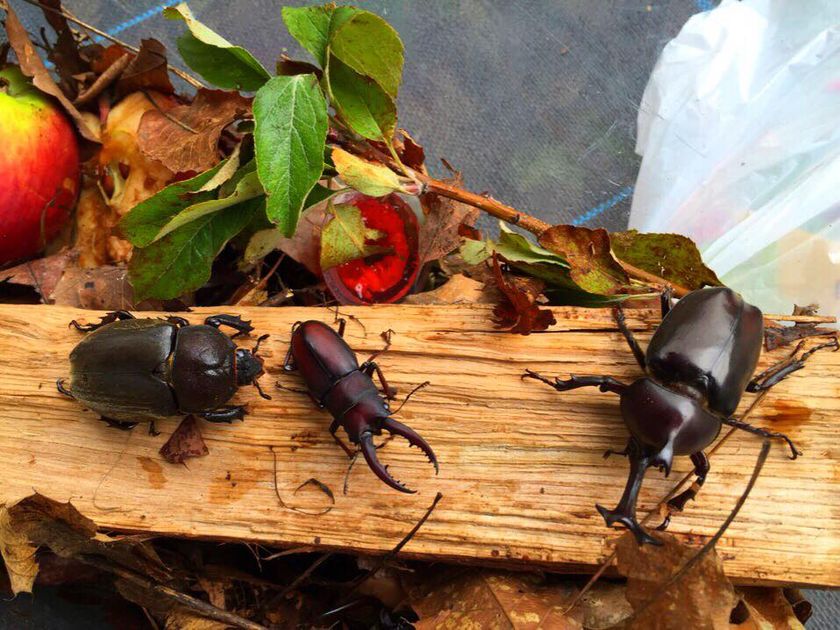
739, 129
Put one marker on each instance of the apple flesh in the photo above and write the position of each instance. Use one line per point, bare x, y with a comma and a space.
39, 167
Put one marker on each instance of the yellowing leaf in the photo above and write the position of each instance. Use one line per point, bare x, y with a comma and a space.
346, 238
368, 178
587, 251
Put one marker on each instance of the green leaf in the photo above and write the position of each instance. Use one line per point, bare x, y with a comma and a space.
361, 103
670, 256
144, 221
588, 253
517, 248
312, 26
226, 172
474, 252
371, 47
214, 58
181, 261
249, 187
368, 178
345, 237
289, 140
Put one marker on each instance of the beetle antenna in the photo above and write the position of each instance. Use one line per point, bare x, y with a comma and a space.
410, 394
759, 464
259, 389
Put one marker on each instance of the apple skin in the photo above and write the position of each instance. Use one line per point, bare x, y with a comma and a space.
39, 167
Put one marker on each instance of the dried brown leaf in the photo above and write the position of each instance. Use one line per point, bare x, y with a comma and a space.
702, 599
18, 554
33, 66
457, 290
604, 605
411, 152
768, 609
42, 274
147, 71
489, 599
518, 311
440, 232
290, 67
184, 620
191, 144
185, 442
65, 53
593, 267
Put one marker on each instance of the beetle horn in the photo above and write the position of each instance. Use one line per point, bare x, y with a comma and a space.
398, 428
369, 451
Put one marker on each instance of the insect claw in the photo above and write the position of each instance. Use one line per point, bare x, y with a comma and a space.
368, 449
398, 428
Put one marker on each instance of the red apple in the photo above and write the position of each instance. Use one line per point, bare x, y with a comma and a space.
381, 278
39, 167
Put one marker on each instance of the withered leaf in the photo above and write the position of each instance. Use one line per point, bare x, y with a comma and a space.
305, 245
290, 67
185, 442
768, 609
492, 599
440, 232
33, 66
518, 311
65, 53
18, 555
459, 289
411, 153
147, 71
593, 267
42, 274
670, 256
191, 145
702, 599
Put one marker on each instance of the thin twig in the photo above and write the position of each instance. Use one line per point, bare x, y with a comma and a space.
103, 80
185, 76
759, 464
297, 582
182, 599
388, 556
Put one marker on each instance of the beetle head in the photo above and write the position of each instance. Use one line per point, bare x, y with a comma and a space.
249, 366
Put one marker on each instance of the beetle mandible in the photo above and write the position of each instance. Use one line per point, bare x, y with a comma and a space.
698, 364
133, 370
335, 380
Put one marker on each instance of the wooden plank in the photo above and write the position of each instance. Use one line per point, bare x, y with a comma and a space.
521, 465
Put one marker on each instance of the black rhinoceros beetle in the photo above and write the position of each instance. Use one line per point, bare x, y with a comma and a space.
697, 366
133, 370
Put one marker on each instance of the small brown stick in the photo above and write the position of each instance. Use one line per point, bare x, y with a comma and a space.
759, 464
801, 319
103, 81
182, 599
297, 582
186, 77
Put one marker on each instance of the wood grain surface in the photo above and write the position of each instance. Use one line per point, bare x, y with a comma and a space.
521, 465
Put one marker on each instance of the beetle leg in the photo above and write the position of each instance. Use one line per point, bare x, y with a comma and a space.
103, 321
665, 301
225, 414
289, 362
677, 504
180, 322
771, 376
233, 321
369, 367
334, 433
369, 452
153, 429
625, 511
59, 385
119, 424
765, 433
628, 335
605, 383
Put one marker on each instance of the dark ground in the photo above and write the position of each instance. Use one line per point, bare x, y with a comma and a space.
535, 102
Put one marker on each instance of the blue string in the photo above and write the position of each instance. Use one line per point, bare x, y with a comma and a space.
616, 199
137, 19
704, 5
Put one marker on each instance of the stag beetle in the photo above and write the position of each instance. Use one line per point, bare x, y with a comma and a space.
698, 364
140, 370
335, 380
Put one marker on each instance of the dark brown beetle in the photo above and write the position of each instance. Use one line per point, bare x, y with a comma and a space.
335, 380
140, 370
698, 364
